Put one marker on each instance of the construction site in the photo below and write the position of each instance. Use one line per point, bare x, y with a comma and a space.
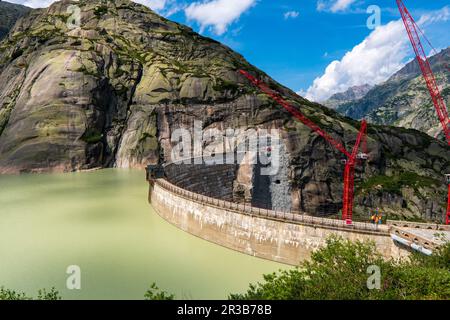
416, 236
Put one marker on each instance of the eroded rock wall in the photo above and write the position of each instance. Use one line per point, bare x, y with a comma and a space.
112, 92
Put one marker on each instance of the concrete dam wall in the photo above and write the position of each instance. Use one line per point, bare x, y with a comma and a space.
211, 180
275, 235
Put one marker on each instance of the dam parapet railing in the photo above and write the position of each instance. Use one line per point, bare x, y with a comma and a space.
418, 225
283, 216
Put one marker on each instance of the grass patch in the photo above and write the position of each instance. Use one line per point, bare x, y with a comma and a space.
100, 11
145, 136
224, 85
395, 184
43, 294
92, 136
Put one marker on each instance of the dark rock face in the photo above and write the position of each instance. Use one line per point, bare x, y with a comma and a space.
213, 181
9, 14
112, 92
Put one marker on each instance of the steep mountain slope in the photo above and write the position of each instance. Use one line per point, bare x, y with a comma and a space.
9, 13
112, 92
404, 100
350, 95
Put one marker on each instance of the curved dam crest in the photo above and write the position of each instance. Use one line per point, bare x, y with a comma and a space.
281, 237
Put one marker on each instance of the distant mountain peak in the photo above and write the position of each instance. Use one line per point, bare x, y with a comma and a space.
9, 14
403, 100
412, 69
351, 94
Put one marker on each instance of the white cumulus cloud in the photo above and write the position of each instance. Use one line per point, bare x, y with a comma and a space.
334, 5
163, 7
218, 14
291, 14
374, 60
436, 16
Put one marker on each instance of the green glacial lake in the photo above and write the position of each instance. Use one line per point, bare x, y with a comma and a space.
102, 222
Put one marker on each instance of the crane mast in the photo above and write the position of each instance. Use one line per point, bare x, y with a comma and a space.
425, 67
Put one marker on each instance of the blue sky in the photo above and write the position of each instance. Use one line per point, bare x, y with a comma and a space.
315, 47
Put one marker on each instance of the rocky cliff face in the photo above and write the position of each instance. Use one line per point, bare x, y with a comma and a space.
112, 92
404, 100
9, 13
350, 95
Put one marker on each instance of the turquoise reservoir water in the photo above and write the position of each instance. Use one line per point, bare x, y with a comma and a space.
101, 221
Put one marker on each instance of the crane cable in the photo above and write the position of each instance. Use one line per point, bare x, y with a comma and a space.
432, 47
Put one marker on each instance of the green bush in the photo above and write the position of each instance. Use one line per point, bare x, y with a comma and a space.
7, 294
394, 184
154, 293
92, 136
336, 272
339, 272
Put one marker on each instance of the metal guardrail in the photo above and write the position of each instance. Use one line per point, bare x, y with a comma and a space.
294, 217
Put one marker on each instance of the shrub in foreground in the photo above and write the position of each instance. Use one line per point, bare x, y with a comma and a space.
7, 294
340, 271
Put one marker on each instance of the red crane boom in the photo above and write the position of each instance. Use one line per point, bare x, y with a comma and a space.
425, 67
349, 173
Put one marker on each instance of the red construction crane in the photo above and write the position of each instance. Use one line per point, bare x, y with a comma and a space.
413, 32
349, 173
